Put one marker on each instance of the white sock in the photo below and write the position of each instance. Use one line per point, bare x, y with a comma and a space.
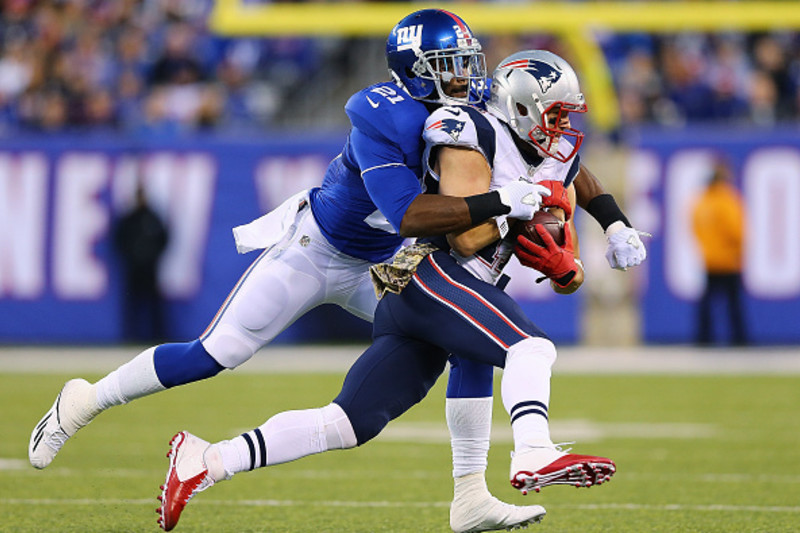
470, 424
212, 458
134, 379
288, 436
526, 391
471, 485
234, 459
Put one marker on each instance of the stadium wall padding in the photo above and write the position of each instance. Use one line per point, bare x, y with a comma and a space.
666, 171
59, 196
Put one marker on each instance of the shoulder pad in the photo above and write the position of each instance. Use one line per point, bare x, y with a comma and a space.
462, 126
387, 111
451, 125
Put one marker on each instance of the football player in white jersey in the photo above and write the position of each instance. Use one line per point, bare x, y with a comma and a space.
320, 244
440, 298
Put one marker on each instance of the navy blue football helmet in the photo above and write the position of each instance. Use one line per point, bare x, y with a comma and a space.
431, 47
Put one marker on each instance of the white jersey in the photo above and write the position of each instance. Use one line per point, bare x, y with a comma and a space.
468, 127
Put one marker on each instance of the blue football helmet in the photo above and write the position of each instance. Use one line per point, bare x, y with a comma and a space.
431, 47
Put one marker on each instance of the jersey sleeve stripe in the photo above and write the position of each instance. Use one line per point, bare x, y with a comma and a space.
382, 166
487, 138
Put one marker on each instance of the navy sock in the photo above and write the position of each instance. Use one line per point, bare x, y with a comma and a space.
469, 379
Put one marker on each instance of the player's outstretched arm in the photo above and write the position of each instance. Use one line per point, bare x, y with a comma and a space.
593, 198
625, 247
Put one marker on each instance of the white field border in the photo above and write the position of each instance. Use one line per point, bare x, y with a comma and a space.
676, 359
92, 502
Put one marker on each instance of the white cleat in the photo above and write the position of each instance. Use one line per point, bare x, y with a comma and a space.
475, 509
75, 406
535, 468
186, 476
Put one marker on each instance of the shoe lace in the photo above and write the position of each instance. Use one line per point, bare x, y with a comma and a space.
201, 485
57, 439
204, 484
560, 446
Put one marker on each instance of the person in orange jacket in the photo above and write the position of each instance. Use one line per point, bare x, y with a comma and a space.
718, 221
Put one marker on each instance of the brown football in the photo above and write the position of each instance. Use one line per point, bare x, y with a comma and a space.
551, 223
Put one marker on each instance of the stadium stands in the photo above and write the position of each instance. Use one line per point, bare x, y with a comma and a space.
153, 68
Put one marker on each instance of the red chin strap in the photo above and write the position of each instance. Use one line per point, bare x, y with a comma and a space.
553, 134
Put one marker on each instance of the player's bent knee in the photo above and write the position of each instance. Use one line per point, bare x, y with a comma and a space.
229, 346
538, 346
365, 424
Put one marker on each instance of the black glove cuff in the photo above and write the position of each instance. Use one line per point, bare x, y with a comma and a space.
485, 206
605, 210
565, 280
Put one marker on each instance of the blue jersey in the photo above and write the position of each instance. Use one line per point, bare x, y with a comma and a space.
369, 186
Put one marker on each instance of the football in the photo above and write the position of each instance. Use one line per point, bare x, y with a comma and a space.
551, 223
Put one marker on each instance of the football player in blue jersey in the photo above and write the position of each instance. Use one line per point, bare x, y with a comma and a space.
318, 247
440, 296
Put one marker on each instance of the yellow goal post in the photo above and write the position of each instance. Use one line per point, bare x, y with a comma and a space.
575, 24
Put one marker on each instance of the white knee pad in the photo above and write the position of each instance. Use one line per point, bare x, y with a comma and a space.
265, 296
536, 346
229, 346
267, 301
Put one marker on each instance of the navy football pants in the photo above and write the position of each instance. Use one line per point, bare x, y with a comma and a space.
444, 310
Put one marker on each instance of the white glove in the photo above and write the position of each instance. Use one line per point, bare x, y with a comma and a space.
524, 198
625, 248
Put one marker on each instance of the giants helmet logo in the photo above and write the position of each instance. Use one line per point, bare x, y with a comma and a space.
546, 75
409, 38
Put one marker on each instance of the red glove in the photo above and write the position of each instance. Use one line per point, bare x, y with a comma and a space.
552, 260
557, 198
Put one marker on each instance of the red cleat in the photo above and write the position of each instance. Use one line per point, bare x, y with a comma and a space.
535, 468
186, 476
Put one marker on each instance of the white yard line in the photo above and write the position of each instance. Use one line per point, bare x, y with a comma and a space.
562, 430
368, 504
683, 360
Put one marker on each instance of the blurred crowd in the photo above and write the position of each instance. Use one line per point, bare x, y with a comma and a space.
677, 79
152, 67
140, 66
726, 78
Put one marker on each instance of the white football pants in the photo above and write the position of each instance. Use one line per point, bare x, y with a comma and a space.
286, 281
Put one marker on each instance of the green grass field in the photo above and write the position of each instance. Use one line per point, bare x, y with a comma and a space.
694, 454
